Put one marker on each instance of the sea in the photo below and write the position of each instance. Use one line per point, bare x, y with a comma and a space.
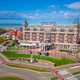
10, 25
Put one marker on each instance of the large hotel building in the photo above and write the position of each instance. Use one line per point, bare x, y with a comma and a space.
63, 36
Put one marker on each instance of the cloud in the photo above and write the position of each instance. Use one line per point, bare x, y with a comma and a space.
53, 6
75, 5
12, 15
38, 17
37, 10
36, 14
60, 12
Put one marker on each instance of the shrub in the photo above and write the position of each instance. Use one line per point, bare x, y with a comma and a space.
36, 61
28, 60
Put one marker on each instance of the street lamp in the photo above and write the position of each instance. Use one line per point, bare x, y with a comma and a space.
31, 58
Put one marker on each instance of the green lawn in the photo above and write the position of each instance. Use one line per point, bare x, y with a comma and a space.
12, 47
54, 78
57, 62
2, 31
20, 49
39, 70
10, 78
75, 73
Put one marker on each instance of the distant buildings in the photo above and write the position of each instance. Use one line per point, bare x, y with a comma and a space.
15, 34
63, 36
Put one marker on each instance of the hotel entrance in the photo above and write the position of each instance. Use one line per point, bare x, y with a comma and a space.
48, 46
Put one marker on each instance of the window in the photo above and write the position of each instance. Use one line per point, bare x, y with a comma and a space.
70, 34
41, 33
74, 41
65, 47
34, 33
34, 39
61, 38
41, 36
28, 39
34, 36
66, 26
28, 33
57, 37
54, 30
41, 30
53, 37
34, 29
62, 30
70, 38
69, 41
65, 37
53, 40
53, 34
62, 34
70, 30
61, 41
28, 29
28, 36
41, 40
65, 41
57, 33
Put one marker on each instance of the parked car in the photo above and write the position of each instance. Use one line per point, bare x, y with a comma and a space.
39, 53
30, 52
46, 54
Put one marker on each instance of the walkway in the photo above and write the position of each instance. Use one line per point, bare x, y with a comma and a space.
67, 75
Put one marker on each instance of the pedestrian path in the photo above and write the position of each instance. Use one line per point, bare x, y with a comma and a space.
67, 75
71, 78
1, 63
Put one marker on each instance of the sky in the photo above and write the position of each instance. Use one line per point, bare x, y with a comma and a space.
37, 11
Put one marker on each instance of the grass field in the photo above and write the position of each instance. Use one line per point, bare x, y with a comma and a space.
54, 78
75, 73
10, 78
39, 70
57, 62
14, 47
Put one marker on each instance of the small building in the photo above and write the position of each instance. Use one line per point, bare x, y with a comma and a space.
15, 34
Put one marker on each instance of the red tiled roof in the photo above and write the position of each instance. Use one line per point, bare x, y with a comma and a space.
17, 33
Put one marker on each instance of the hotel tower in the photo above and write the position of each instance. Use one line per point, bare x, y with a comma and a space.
63, 36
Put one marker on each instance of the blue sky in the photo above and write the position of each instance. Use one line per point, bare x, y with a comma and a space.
37, 11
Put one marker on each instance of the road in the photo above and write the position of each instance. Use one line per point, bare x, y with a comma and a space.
2, 35
78, 76
30, 75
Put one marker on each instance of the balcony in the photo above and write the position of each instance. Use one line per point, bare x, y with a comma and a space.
61, 39
69, 39
41, 35
34, 34
53, 35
